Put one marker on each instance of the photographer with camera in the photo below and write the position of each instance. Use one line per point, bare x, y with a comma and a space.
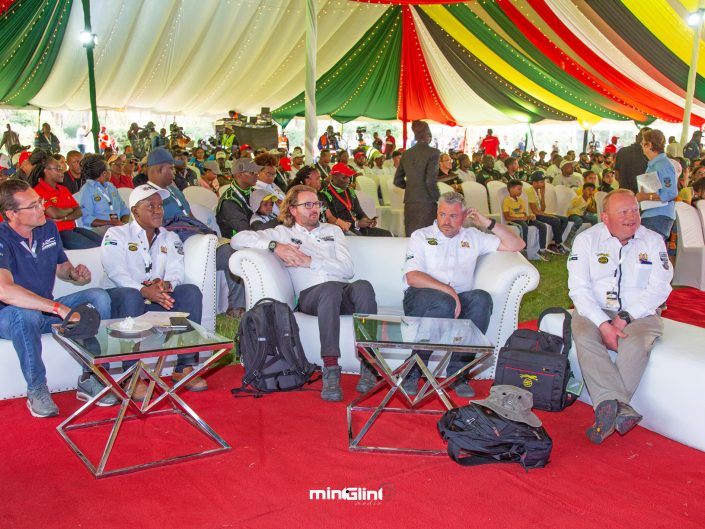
329, 140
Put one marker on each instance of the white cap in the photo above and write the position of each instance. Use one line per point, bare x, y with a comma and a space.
146, 191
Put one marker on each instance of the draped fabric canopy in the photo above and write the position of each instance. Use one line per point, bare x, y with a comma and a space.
479, 62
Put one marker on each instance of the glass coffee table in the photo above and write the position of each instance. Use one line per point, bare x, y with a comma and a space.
110, 346
377, 337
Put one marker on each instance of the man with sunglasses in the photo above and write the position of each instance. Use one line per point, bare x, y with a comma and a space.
321, 267
31, 257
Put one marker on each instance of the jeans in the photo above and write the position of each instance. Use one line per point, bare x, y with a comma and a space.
236, 290
524, 227
25, 327
331, 299
578, 220
80, 239
129, 302
475, 305
557, 223
660, 224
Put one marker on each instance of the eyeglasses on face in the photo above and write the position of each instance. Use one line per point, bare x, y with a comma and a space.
309, 205
39, 204
53, 168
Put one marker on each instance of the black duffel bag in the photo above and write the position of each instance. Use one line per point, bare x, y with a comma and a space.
538, 362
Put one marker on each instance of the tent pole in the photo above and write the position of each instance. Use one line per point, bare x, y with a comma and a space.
311, 127
95, 126
585, 140
697, 34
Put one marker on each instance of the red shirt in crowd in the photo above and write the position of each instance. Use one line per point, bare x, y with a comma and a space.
121, 180
490, 145
60, 197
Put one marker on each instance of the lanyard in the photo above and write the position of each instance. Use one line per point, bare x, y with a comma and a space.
348, 204
176, 199
245, 202
106, 196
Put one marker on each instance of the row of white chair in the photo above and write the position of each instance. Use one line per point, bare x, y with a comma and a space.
690, 245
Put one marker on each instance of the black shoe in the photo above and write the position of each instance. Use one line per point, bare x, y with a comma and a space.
368, 378
605, 419
463, 388
331, 384
627, 418
411, 384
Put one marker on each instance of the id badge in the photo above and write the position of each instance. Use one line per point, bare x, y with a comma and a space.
113, 216
611, 300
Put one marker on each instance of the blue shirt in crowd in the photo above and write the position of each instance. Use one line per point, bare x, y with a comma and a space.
663, 167
98, 201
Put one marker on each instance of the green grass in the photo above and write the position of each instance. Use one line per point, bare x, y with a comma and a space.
552, 290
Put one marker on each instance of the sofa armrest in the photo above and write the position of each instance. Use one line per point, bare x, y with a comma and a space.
263, 275
506, 276
199, 270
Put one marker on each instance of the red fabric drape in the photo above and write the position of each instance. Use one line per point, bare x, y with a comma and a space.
418, 97
409, 2
5, 5
617, 85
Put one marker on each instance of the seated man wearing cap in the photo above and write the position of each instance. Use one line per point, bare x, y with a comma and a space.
183, 176
568, 175
536, 195
439, 274
320, 266
297, 162
323, 164
342, 206
160, 174
209, 178
31, 257
144, 263
619, 275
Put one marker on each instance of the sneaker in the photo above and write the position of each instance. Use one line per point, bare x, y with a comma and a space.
195, 384
563, 249
553, 249
605, 420
627, 418
368, 378
463, 388
331, 391
40, 403
90, 387
539, 257
411, 384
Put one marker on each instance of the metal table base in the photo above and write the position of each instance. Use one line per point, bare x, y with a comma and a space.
142, 410
393, 379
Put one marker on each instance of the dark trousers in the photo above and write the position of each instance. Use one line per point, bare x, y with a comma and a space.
374, 232
418, 215
331, 299
80, 239
236, 290
475, 305
524, 227
129, 302
557, 223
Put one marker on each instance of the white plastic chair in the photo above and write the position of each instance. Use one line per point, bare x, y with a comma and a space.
205, 215
690, 248
493, 187
564, 196
700, 206
550, 198
201, 195
367, 203
599, 200
368, 187
384, 187
532, 239
444, 188
223, 189
396, 209
476, 197
125, 193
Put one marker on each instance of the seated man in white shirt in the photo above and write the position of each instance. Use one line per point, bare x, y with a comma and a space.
321, 267
144, 266
619, 275
439, 274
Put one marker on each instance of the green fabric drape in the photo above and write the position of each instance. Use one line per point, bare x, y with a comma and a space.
506, 98
370, 84
31, 32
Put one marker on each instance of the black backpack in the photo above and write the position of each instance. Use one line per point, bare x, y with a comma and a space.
538, 362
477, 436
270, 350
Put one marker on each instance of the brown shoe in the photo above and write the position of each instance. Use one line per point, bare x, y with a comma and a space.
195, 384
140, 391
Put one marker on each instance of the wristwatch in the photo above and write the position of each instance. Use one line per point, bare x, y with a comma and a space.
491, 225
623, 314
272, 245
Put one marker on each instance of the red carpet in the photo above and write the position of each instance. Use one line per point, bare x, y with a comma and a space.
286, 444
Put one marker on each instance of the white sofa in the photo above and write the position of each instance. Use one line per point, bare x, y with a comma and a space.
62, 369
507, 276
671, 391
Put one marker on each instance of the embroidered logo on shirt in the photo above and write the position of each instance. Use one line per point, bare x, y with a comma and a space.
666, 182
296, 241
409, 256
644, 258
132, 246
49, 243
162, 249
603, 258
432, 241
464, 244
108, 242
96, 198
573, 257
664, 260
53, 200
179, 247
328, 238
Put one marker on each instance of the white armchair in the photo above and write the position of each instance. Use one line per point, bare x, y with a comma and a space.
506, 276
62, 369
